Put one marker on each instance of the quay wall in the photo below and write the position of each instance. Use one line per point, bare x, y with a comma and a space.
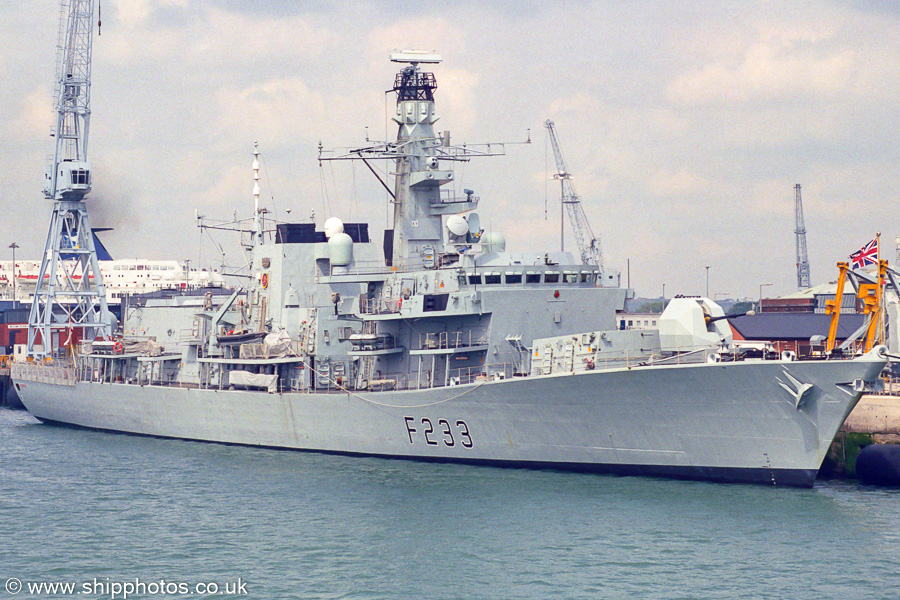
875, 420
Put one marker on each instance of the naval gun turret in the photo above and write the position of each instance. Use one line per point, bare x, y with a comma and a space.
688, 324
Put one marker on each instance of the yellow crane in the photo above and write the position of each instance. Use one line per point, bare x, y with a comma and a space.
870, 293
833, 307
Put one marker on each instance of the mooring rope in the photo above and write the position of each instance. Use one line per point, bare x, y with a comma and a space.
459, 395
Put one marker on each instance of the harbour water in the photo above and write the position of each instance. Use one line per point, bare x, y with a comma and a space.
97, 509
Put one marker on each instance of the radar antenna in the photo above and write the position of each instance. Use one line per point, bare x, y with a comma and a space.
69, 293
803, 282
588, 243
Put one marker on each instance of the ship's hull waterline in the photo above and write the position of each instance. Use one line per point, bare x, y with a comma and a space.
722, 422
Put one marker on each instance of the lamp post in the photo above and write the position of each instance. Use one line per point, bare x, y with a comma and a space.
664, 296
707, 281
14, 246
761, 286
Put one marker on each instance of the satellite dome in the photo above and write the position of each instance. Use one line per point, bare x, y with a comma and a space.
340, 249
492, 241
332, 226
457, 225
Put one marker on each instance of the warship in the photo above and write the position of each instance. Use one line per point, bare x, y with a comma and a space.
439, 344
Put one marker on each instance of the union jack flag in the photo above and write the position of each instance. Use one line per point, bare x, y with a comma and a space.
865, 256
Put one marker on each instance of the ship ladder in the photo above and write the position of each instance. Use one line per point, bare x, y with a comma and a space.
366, 363
311, 334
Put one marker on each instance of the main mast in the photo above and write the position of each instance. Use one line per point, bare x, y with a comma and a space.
430, 228
77, 293
418, 178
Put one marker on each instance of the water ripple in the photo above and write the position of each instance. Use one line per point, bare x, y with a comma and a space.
307, 525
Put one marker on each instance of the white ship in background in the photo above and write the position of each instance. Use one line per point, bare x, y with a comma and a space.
121, 277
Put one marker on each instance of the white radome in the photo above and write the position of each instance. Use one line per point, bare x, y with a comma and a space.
332, 226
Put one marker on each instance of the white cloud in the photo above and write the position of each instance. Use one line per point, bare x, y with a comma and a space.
764, 73
278, 111
680, 184
836, 54
135, 13
686, 127
32, 118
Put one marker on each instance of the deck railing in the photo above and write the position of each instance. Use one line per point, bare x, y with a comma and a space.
450, 340
45, 373
122, 370
380, 306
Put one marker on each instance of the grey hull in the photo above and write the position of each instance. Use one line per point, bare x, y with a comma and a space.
722, 422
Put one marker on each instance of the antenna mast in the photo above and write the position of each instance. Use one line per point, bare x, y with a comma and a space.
257, 221
69, 279
800, 231
588, 243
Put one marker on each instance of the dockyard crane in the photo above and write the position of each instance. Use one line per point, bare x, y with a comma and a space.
70, 295
800, 231
588, 243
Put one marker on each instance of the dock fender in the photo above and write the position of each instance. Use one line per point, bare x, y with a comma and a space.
879, 464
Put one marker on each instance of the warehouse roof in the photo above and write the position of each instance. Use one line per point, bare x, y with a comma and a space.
793, 326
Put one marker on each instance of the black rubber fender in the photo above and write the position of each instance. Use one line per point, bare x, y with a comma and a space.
879, 464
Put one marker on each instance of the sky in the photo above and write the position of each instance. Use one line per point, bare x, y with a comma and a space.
685, 125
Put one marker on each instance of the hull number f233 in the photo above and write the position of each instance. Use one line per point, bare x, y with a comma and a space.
435, 433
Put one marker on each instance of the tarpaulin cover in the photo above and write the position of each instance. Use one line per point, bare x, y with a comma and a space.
148, 347
275, 345
260, 380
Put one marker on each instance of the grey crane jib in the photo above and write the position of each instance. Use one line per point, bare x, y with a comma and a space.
588, 244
